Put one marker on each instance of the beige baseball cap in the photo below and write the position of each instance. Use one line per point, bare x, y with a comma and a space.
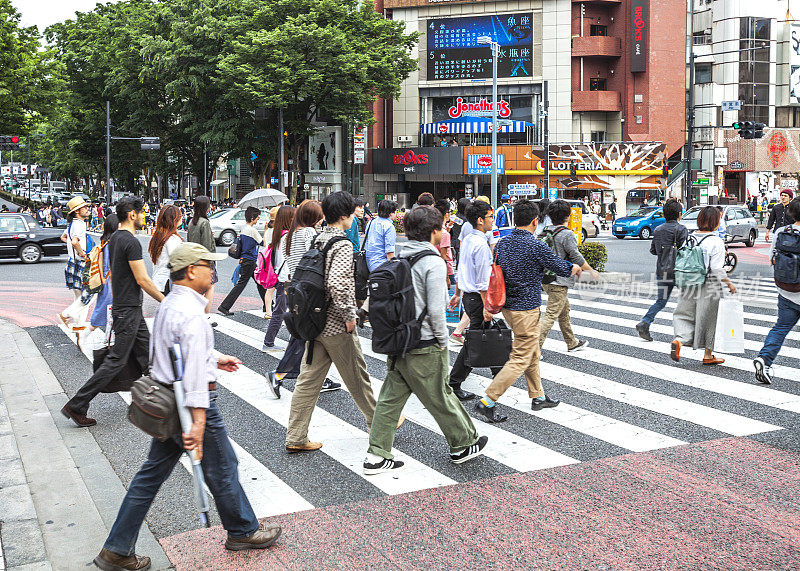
190, 253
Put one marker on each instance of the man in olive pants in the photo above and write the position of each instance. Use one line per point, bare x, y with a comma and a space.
423, 370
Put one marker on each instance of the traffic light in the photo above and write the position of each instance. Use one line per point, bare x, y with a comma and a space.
749, 129
665, 170
573, 171
9, 142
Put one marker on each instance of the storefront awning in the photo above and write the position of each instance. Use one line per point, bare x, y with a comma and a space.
463, 125
219, 181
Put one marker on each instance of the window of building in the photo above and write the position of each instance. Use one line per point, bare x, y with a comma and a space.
598, 136
597, 84
701, 39
787, 116
702, 73
598, 30
754, 68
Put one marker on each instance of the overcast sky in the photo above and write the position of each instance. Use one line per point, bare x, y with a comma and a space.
42, 13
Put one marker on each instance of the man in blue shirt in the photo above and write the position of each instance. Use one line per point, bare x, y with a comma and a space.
381, 235
523, 260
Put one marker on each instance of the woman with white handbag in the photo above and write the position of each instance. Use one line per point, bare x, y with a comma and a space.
695, 317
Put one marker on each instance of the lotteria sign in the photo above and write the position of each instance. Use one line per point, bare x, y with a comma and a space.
483, 107
566, 165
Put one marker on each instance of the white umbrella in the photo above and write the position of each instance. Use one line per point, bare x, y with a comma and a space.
263, 198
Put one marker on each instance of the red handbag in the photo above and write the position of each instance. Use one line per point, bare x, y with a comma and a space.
496, 292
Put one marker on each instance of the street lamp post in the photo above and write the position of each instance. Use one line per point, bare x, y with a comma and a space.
495, 47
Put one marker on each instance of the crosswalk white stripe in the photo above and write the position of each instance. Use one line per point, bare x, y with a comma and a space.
731, 361
343, 442
267, 493
720, 385
504, 447
595, 425
644, 303
752, 345
678, 408
664, 314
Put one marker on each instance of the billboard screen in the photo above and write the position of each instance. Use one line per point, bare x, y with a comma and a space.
454, 52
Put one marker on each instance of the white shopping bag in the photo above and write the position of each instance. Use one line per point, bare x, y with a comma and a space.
729, 336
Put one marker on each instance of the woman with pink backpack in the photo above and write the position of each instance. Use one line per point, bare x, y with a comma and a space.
272, 271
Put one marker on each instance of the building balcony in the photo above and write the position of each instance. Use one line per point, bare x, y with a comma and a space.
608, 101
596, 46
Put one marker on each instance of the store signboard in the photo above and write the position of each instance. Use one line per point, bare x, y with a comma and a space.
418, 160
360, 146
720, 156
482, 164
640, 21
794, 65
453, 51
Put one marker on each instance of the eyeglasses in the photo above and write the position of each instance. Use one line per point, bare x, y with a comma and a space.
209, 266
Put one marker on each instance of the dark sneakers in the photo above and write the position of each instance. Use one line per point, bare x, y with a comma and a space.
261, 539
225, 312
643, 328
470, 452
110, 561
763, 372
489, 413
80, 419
582, 344
328, 386
546, 403
361, 317
385, 465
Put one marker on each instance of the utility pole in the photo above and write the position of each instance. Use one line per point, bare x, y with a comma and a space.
108, 152
205, 169
495, 56
281, 185
28, 169
546, 102
689, 113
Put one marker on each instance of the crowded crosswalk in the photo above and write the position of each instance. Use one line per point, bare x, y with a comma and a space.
619, 395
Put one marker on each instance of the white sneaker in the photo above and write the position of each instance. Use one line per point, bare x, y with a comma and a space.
763, 373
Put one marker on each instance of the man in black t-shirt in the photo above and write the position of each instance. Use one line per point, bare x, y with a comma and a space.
132, 338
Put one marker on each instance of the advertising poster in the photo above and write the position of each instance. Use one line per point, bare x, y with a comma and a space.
794, 65
325, 149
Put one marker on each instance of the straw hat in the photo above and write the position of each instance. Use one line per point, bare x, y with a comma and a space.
76, 203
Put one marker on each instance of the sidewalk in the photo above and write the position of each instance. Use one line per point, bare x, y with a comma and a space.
58, 493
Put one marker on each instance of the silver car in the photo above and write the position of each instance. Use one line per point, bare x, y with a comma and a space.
226, 224
740, 226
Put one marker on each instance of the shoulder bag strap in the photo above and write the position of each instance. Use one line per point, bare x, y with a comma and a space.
366, 235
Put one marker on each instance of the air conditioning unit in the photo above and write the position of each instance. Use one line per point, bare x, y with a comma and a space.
404, 139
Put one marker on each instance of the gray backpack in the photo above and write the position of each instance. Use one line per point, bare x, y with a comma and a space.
690, 266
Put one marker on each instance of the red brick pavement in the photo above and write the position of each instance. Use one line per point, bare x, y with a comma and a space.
723, 504
31, 304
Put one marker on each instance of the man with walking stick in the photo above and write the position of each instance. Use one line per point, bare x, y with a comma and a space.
181, 320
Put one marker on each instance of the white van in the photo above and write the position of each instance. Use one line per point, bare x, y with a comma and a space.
57, 186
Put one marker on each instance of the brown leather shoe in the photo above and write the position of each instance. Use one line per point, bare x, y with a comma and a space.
261, 539
675, 350
110, 561
713, 360
80, 419
307, 447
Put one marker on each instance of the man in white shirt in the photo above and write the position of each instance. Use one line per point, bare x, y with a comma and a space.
181, 319
474, 268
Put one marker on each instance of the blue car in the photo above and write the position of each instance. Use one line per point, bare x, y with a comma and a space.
640, 224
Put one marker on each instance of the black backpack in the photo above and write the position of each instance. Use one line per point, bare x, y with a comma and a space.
787, 259
307, 296
392, 312
549, 238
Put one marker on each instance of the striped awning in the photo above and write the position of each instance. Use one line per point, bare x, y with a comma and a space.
464, 125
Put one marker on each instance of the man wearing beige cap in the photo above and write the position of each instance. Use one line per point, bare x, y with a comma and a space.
181, 319
77, 248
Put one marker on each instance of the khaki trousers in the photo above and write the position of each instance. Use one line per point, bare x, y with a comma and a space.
524, 358
344, 351
557, 310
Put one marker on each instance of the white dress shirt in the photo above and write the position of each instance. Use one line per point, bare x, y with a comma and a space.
181, 318
474, 263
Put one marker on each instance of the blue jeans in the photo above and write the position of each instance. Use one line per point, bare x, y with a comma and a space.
664, 291
221, 474
788, 315
278, 314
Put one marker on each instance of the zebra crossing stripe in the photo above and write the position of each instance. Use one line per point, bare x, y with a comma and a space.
268, 494
752, 345
619, 433
758, 330
731, 361
720, 385
504, 447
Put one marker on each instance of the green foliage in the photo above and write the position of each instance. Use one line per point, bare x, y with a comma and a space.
595, 254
